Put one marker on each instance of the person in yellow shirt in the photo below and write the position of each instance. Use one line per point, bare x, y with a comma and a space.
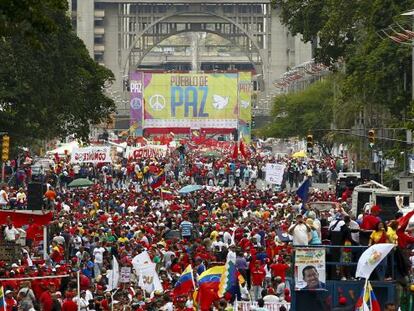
392, 232
379, 235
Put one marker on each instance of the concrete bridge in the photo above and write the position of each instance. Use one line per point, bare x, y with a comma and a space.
121, 34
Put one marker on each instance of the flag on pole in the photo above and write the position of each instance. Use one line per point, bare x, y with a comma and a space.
243, 149
2, 301
303, 191
185, 283
367, 301
113, 275
158, 180
230, 278
235, 151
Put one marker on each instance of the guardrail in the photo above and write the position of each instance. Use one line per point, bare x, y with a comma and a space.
250, 305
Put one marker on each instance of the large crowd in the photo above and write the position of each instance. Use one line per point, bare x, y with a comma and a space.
134, 207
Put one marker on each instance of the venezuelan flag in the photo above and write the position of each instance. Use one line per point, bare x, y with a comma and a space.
2, 302
367, 300
208, 285
158, 180
185, 283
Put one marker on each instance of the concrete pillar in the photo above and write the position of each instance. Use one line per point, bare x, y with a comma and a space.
279, 48
303, 51
85, 23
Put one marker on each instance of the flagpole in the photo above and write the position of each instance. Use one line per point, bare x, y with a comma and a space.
78, 288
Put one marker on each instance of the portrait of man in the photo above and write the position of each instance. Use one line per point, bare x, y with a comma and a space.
311, 277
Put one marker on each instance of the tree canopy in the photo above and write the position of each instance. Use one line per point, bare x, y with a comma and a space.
49, 85
374, 72
309, 111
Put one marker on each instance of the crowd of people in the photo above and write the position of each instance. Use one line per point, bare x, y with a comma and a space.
134, 207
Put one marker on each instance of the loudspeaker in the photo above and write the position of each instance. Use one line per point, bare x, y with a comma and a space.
35, 191
365, 174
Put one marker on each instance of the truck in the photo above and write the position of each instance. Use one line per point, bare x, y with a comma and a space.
374, 193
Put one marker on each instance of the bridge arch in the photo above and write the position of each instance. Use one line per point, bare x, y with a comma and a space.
253, 44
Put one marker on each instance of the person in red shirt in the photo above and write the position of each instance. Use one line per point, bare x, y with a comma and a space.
68, 304
279, 268
46, 300
369, 223
258, 275
9, 300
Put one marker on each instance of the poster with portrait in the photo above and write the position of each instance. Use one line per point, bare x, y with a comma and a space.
310, 269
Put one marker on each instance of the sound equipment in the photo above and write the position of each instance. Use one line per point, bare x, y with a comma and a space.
35, 191
365, 174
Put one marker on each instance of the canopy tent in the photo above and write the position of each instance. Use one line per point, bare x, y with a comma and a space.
64, 148
189, 189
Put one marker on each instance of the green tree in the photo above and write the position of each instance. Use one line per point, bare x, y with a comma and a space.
309, 111
375, 72
53, 88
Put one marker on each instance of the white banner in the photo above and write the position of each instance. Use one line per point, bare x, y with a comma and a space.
371, 258
96, 154
148, 278
274, 173
113, 275
149, 151
310, 269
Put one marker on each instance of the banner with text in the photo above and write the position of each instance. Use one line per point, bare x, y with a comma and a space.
136, 102
94, 154
149, 151
190, 100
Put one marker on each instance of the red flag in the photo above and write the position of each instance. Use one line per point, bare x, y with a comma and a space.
403, 221
235, 151
243, 149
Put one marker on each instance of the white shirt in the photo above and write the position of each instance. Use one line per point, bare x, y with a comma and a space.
353, 225
300, 234
10, 234
98, 254
4, 197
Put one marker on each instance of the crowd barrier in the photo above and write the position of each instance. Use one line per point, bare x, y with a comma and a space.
250, 305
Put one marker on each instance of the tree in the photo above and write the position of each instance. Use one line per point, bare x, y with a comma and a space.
309, 111
52, 88
375, 72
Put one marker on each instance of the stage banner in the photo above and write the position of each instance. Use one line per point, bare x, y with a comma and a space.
149, 151
94, 154
245, 105
136, 102
310, 271
190, 100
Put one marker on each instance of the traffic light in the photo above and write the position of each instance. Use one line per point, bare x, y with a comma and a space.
309, 143
253, 122
5, 148
371, 137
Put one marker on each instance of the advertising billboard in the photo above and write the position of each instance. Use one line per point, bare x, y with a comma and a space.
186, 100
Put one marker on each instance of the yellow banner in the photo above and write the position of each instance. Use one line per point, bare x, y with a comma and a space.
191, 100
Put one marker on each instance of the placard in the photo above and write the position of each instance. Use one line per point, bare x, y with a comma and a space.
310, 268
274, 173
125, 275
96, 154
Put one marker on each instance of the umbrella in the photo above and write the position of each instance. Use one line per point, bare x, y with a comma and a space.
299, 154
80, 182
189, 188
